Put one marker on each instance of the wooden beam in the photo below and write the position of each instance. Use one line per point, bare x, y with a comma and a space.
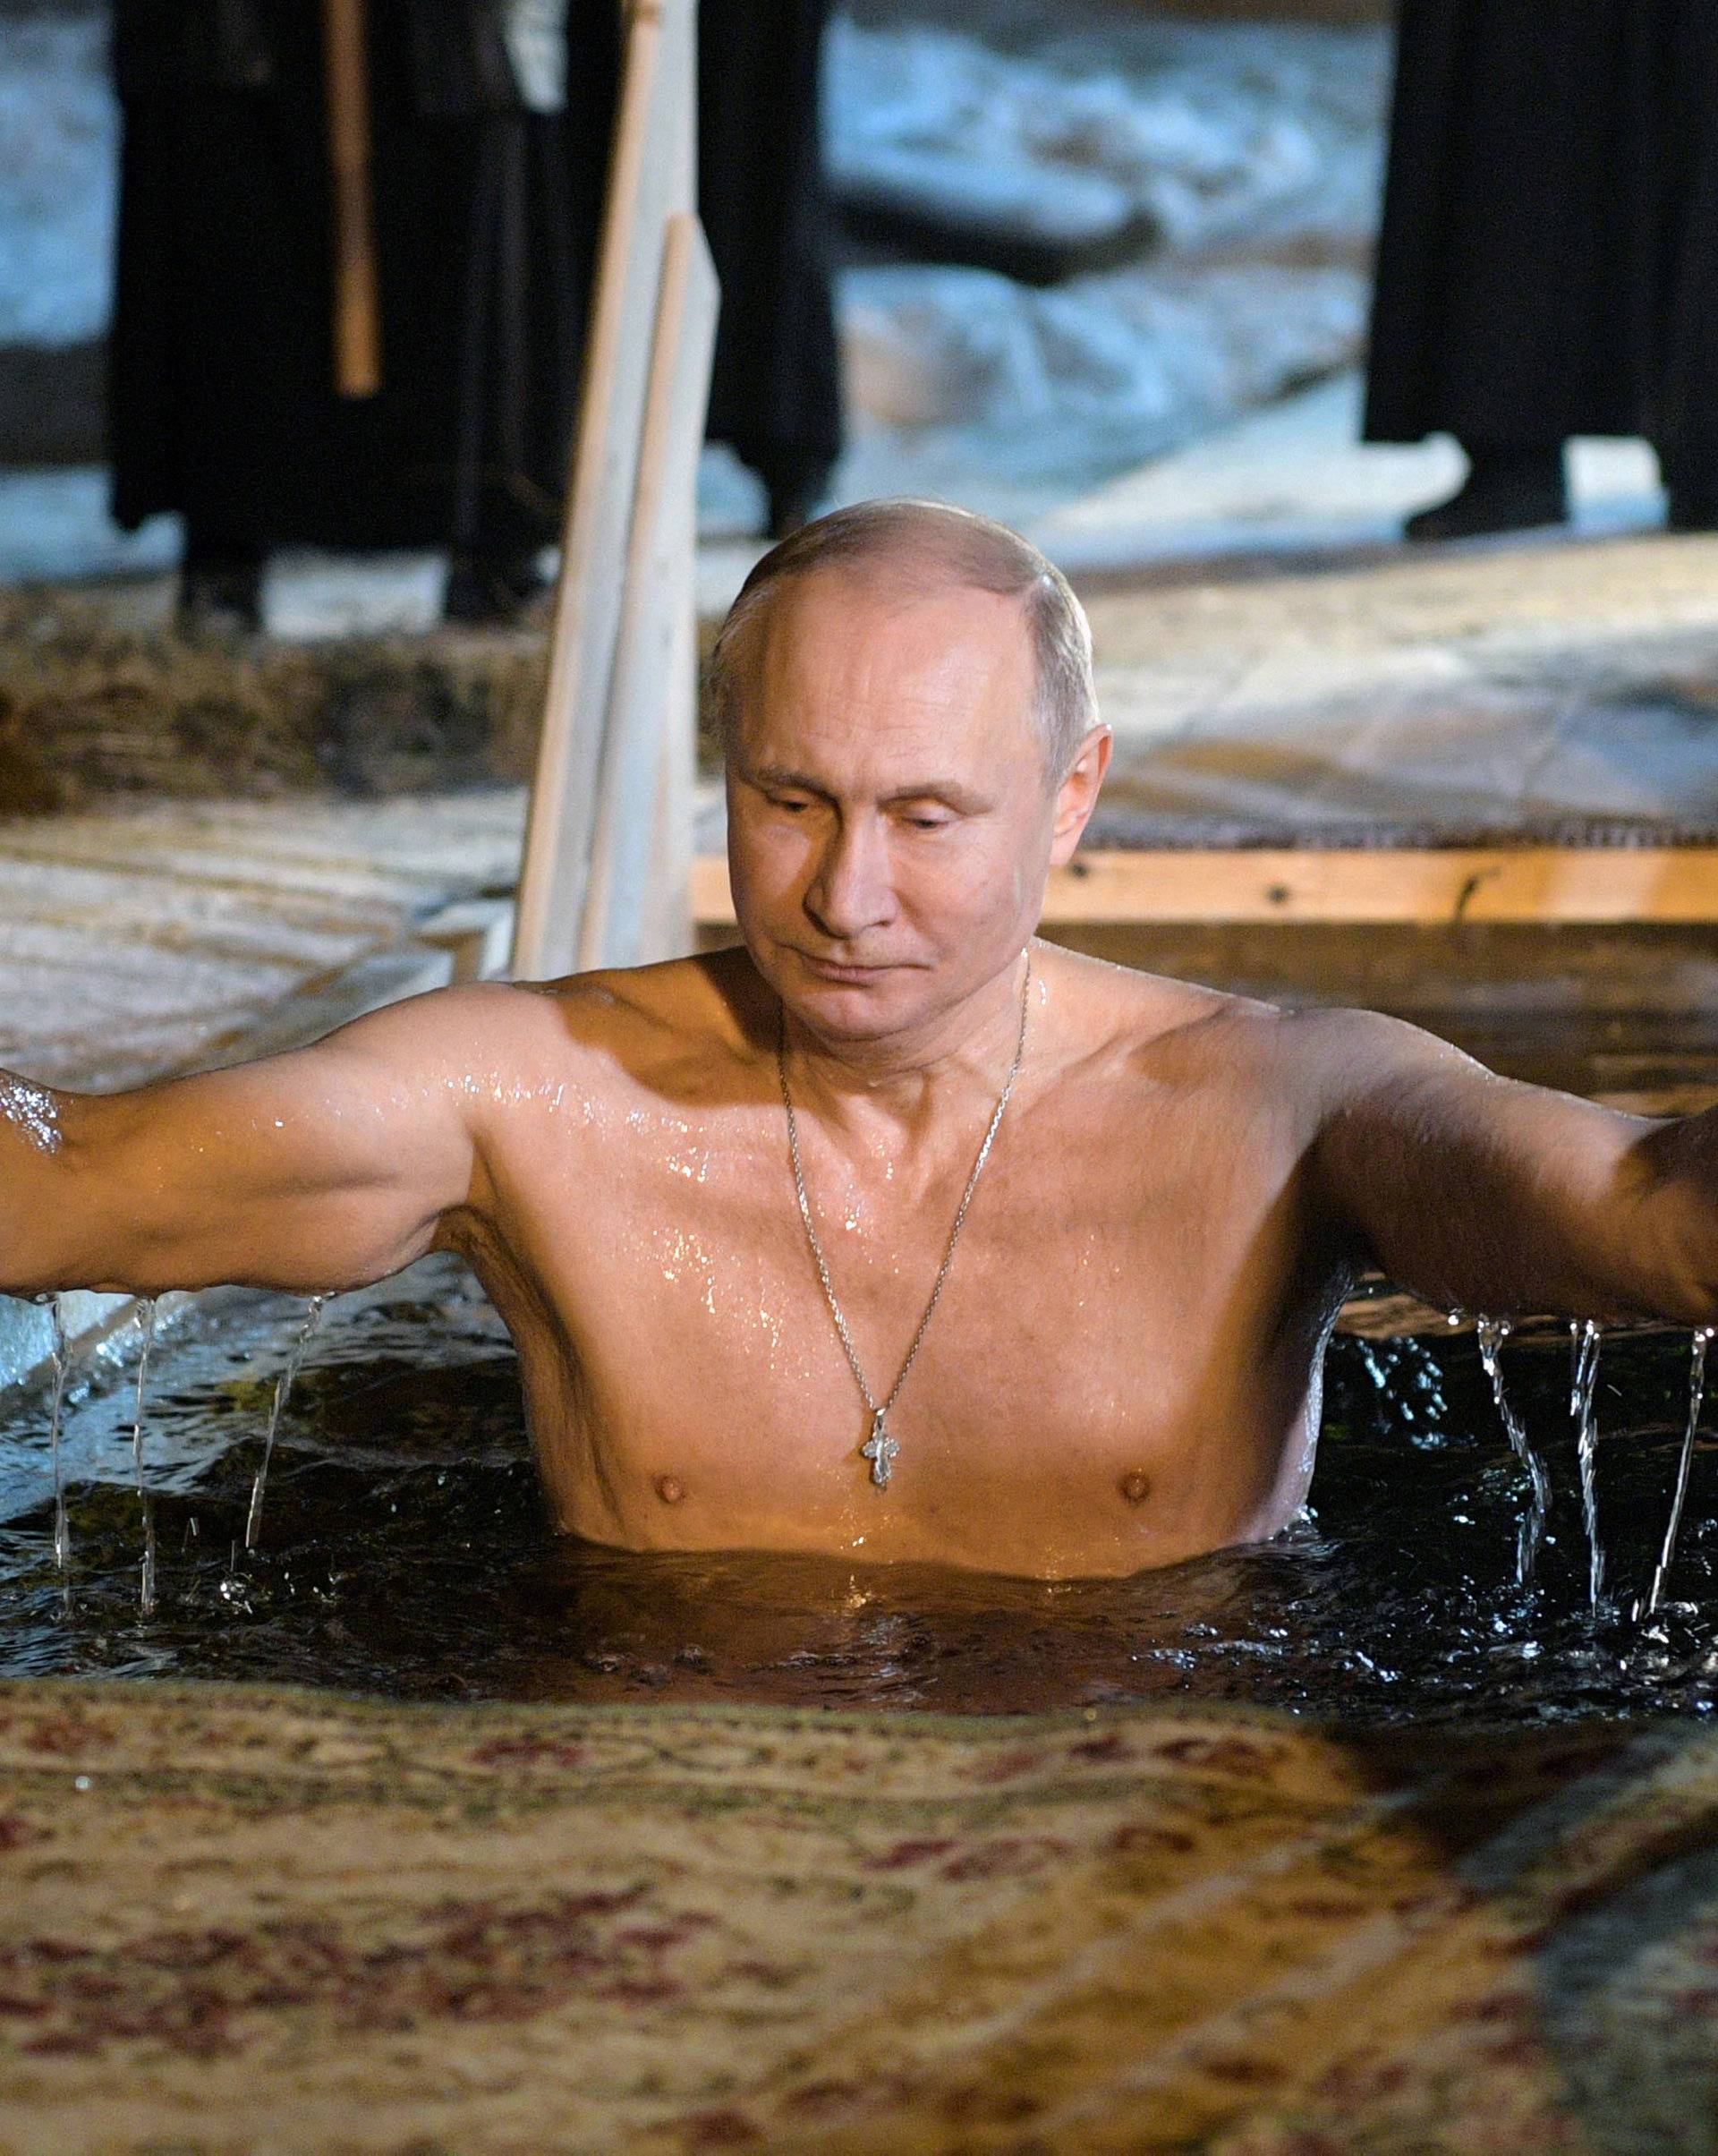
651, 178
357, 309
1356, 887
638, 900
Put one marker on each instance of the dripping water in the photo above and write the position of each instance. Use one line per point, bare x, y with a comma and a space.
62, 1359
1490, 1333
59, 1357
1696, 1395
1368, 1610
1584, 1381
1373, 1364
283, 1390
146, 1334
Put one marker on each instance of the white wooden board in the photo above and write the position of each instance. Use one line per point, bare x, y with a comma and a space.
652, 177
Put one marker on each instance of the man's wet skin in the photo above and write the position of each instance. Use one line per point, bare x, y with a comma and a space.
685, 1381
1123, 1369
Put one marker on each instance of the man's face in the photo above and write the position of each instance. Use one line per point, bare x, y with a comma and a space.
891, 820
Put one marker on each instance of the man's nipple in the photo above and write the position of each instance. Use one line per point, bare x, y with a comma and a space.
670, 1490
1135, 1486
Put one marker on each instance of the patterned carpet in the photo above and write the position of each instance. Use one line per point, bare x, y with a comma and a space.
236, 1919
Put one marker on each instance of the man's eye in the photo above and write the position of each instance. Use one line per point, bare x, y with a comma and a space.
929, 823
787, 802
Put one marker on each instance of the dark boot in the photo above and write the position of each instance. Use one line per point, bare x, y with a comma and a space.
492, 588
792, 506
1692, 489
1507, 489
220, 594
795, 488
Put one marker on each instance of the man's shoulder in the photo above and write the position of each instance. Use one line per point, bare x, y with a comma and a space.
1323, 1067
597, 1044
645, 1021
1156, 1013
1154, 1039
626, 1017
1146, 1017
1351, 1049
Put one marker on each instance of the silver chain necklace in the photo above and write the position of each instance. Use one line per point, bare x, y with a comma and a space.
879, 1448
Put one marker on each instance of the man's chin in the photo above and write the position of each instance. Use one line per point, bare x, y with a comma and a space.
858, 1002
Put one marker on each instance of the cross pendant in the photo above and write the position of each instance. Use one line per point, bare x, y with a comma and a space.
879, 1448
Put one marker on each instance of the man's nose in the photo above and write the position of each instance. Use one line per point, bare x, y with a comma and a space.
853, 890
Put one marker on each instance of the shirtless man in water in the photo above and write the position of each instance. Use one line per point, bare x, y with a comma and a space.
1123, 1366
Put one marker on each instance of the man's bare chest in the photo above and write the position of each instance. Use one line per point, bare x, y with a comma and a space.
707, 1396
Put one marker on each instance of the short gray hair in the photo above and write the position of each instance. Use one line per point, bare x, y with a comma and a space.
969, 551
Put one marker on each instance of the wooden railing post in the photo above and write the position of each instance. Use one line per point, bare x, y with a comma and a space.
627, 557
638, 896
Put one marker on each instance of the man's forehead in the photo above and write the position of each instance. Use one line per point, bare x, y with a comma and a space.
944, 643
905, 603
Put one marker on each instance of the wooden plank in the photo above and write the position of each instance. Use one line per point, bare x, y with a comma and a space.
357, 309
476, 934
651, 178
638, 900
1360, 887
665, 926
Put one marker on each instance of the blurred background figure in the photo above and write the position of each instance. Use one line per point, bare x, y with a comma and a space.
775, 393
1548, 265
223, 405
1068, 240
489, 124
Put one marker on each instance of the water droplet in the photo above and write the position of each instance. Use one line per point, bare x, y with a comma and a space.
283, 1392
1492, 1334
1701, 1341
145, 1501
62, 1363
32, 1111
1584, 1350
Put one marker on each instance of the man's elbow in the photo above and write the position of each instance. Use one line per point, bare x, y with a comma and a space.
1674, 1236
1686, 1267
45, 1245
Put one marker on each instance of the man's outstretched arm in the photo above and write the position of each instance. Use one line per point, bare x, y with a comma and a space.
1479, 1193
322, 1169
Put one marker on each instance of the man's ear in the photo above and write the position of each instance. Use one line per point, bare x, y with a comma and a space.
1077, 796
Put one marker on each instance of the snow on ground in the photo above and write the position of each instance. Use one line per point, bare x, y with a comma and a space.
54, 528
1249, 154
1009, 400
1075, 121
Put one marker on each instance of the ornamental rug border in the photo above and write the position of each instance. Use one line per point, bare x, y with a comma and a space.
238, 1917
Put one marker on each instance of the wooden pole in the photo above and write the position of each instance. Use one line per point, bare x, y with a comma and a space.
638, 898
651, 178
357, 311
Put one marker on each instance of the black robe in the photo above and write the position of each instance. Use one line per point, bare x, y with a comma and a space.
775, 393
222, 403
1548, 263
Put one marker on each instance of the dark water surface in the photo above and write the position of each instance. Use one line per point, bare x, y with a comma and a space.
403, 1549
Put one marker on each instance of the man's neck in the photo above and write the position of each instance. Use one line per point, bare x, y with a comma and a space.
902, 1086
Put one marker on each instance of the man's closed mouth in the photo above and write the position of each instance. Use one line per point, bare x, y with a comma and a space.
837, 969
